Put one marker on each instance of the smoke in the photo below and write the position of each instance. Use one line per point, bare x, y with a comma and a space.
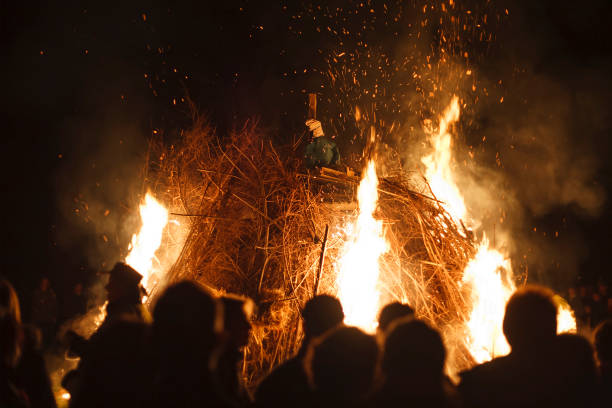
528, 147
547, 162
545, 169
529, 159
98, 187
533, 89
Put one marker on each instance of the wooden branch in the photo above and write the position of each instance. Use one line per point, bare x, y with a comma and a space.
321, 259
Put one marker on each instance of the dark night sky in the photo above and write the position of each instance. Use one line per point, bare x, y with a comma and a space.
78, 108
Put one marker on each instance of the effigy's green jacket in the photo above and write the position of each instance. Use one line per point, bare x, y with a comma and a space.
322, 151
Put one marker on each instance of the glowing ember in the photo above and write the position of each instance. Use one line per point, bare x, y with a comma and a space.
358, 268
65, 396
145, 243
488, 276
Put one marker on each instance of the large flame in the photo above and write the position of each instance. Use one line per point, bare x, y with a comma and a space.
146, 242
438, 172
488, 275
358, 267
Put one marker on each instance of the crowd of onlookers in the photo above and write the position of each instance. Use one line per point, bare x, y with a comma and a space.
48, 312
188, 353
592, 304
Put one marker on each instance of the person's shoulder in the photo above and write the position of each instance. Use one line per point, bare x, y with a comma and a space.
286, 374
286, 370
485, 370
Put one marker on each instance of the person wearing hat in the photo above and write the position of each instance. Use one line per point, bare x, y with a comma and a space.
124, 293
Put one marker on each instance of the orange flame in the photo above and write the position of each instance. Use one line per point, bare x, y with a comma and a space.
358, 267
141, 255
145, 243
489, 277
566, 321
439, 173
489, 273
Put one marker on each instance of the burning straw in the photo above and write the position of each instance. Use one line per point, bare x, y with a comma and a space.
257, 220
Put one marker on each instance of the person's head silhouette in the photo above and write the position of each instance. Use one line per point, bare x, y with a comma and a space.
320, 314
530, 321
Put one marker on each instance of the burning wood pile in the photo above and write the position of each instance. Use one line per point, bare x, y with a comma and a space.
257, 223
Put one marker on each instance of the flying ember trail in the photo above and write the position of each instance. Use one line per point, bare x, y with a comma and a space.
358, 267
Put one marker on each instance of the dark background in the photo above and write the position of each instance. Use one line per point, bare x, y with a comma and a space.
85, 84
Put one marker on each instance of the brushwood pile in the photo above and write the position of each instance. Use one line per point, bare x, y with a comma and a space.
256, 221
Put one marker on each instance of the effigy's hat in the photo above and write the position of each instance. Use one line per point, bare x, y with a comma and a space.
125, 274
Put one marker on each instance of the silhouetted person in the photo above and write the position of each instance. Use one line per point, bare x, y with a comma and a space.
586, 300
600, 304
11, 342
23, 374
412, 367
391, 312
31, 373
229, 361
288, 382
124, 303
125, 295
341, 367
575, 371
118, 369
186, 323
525, 377
603, 351
44, 310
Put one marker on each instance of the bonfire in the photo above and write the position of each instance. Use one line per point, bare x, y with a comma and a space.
257, 221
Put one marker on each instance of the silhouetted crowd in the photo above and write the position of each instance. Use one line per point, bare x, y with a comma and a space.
189, 353
592, 304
